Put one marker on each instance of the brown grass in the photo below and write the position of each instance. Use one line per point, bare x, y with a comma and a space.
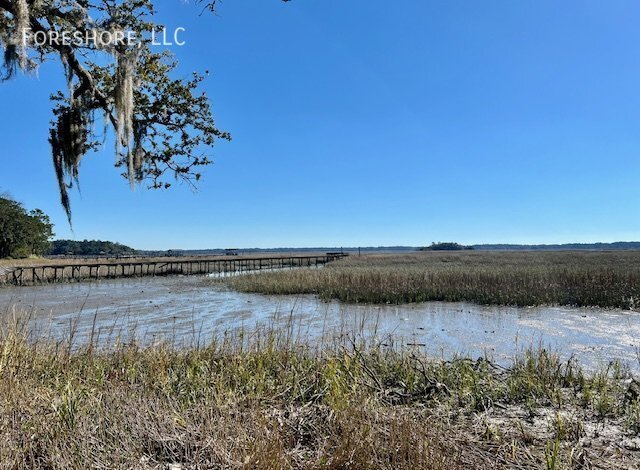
272, 402
601, 279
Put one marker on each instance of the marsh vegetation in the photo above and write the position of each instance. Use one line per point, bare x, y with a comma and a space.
266, 397
597, 279
270, 401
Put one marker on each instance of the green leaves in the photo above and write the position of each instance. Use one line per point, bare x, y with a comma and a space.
23, 233
163, 125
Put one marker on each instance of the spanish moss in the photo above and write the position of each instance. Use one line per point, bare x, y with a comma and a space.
10, 61
163, 126
22, 24
68, 139
124, 104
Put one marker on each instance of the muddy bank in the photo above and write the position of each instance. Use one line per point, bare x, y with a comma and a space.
189, 310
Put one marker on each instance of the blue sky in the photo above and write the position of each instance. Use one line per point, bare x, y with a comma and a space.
361, 123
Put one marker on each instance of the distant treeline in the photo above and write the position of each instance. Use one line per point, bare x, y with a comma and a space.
446, 246
89, 248
96, 248
245, 251
566, 246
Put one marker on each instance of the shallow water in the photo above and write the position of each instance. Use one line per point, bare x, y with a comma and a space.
189, 310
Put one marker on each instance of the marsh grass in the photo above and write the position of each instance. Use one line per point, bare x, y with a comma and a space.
597, 279
272, 401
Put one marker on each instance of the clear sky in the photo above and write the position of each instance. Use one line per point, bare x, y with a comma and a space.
376, 123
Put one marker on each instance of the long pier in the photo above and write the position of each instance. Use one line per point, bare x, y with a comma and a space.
29, 275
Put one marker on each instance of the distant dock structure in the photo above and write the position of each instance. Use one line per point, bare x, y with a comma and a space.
83, 270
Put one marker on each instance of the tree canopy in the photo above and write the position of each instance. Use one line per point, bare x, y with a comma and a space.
163, 127
23, 233
446, 246
89, 248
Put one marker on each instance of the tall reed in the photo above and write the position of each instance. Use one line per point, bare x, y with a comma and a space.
275, 402
598, 279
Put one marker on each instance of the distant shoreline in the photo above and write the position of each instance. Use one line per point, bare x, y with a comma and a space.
617, 246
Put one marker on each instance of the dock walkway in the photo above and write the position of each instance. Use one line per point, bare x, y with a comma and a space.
28, 275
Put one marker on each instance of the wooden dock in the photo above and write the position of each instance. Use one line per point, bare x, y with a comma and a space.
29, 275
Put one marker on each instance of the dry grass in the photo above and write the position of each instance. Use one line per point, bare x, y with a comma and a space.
600, 279
272, 402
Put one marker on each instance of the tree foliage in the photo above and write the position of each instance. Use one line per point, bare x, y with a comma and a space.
23, 233
163, 127
446, 246
89, 248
